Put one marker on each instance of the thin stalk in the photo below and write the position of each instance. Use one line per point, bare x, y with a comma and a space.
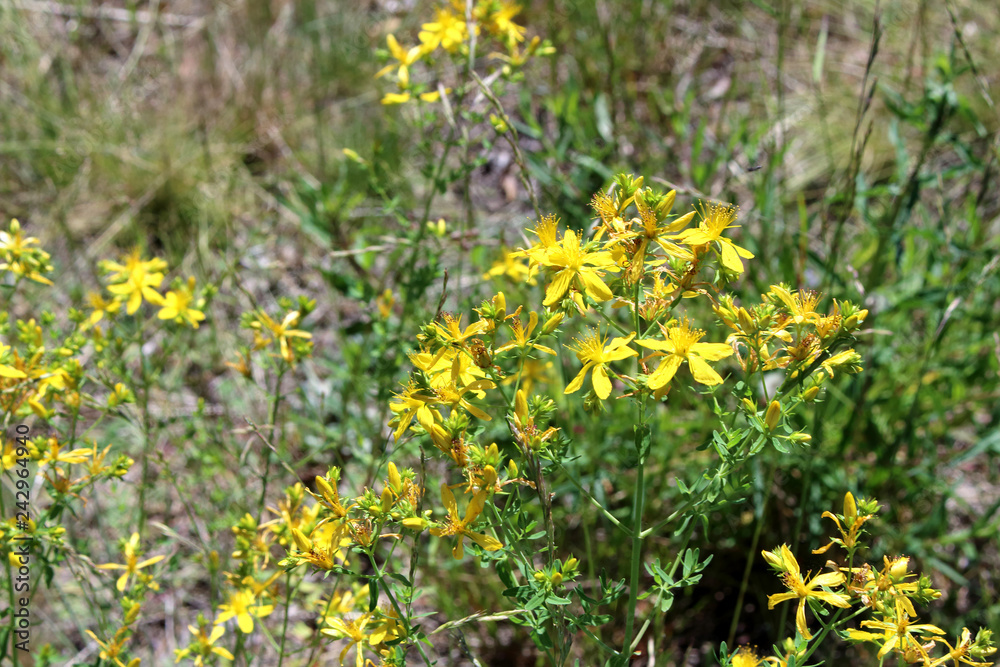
751, 556
146, 427
633, 592
284, 619
275, 438
392, 600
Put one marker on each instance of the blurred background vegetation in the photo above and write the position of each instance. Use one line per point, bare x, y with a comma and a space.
859, 140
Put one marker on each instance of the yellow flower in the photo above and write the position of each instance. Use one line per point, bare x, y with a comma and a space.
177, 305
510, 266
522, 336
111, 649
576, 264
454, 525
282, 332
204, 645
681, 345
21, 258
965, 649
100, 307
451, 395
404, 97
897, 633
547, 231
384, 302
801, 589
801, 305
714, 221
54, 455
453, 334
745, 657
324, 549
849, 361
594, 353
9, 371
8, 454
448, 32
132, 564
404, 58
499, 22
240, 606
852, 525
353, 631
136, 279
409, 404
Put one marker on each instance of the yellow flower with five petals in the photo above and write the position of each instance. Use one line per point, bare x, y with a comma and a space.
680, 345
595, 352
801, 589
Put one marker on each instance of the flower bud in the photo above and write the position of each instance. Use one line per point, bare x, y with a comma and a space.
850, 509
810, 394
521, 404
855, 320
772, 415
395, 481
386, 500
550, 324
746, 322
415, 523
301, 541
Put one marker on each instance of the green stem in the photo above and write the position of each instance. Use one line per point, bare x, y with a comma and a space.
144, 408
392, 600
633, 591
751, 556
284, 620
276, 440
595, 502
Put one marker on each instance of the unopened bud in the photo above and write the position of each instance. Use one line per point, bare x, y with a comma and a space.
772, 415
521, 404
746, 322
301, 541
810, 394
386, 499
395, 481
850, 509
552, 323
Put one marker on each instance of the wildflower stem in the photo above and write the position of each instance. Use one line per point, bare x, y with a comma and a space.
751, 554
656, 604
144, 409
610, 321
380, 577
639, 498
512, 139
275, 436
284, 620
595, 502
633, 589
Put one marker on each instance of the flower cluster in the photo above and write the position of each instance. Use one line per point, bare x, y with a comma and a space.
451, 32
888, 593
